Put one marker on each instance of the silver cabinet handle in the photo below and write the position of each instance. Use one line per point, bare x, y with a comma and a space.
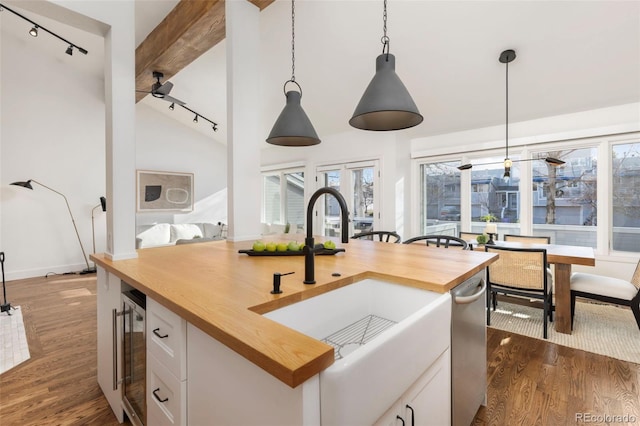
114, 332
464, 300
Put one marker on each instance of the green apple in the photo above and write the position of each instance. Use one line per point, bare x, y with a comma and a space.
282, 247
271, 246
329, 245
258, 246
293, 246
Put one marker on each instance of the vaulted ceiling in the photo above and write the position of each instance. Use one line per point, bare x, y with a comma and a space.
189, 30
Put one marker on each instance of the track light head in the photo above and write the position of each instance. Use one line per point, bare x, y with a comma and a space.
34, 31
215, 127
554, 161
69, 50
465, 166
195, 119
172, 106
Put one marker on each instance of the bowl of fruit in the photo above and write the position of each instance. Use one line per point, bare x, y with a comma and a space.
288, 248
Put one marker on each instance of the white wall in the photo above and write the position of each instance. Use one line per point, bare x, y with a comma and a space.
52, 130
163, 144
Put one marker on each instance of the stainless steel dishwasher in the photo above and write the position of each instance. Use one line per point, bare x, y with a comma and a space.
468, 349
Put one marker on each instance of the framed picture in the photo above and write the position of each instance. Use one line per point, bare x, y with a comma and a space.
164, 191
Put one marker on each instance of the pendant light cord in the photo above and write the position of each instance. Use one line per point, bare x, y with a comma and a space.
293, 41
293, 51
385, 39
507, 112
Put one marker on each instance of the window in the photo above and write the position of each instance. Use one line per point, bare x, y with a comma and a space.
283, 201
357, 182
493, 197
625, 197
440, 198
568, 210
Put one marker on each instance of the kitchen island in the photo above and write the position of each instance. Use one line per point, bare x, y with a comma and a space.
223, 293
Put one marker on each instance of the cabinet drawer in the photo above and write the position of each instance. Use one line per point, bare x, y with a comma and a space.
166, 395
167, 338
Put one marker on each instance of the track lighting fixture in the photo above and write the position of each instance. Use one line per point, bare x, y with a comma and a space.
36, 27
293, 127
197, 115
506, 57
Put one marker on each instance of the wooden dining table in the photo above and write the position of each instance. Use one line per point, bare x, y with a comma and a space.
562, 257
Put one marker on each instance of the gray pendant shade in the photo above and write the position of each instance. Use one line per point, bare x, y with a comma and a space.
386, 103
293, 127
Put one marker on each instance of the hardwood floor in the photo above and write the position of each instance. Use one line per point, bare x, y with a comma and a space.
534, 382
57, 385
530, 381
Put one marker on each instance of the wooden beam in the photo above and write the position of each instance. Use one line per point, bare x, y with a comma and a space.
189, 30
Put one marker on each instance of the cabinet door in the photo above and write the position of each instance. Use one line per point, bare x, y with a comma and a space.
428, 401
109, 362
167, 338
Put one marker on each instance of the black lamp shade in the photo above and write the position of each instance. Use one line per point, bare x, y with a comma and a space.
386, 104
26, 184
103, 204
293, 127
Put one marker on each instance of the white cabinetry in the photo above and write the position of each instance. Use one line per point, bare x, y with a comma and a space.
166, 366
227, 389
109, 337
427, 401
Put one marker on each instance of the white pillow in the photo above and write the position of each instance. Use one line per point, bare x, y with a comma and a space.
185, 231
156, 235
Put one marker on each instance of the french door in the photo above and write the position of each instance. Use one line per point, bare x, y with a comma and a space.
359, 184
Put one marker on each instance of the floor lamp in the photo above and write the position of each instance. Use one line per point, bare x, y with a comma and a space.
103, 204
27, 184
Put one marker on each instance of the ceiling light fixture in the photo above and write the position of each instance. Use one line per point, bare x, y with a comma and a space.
36, 27
293, 127
386, 103
507, 57
197, 115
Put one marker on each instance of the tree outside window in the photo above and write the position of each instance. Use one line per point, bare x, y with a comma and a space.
625, 197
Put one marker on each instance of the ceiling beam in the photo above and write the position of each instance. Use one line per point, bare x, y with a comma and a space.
189, 30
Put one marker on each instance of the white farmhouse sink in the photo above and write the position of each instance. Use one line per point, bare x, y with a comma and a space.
385, 336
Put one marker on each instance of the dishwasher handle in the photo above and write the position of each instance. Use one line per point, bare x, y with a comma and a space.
461, 299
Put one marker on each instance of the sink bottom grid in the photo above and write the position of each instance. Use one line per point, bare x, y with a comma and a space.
357, 334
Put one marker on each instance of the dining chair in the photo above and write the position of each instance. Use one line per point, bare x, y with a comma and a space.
535, 239
383, 236
608, 290
444, 241
521, 272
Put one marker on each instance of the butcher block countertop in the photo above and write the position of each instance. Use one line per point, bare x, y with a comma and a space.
224, 292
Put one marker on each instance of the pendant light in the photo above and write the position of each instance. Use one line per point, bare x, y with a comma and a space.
293, 127
386, 103
507, 57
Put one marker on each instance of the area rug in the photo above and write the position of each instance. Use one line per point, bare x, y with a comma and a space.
602, 329
13, 340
